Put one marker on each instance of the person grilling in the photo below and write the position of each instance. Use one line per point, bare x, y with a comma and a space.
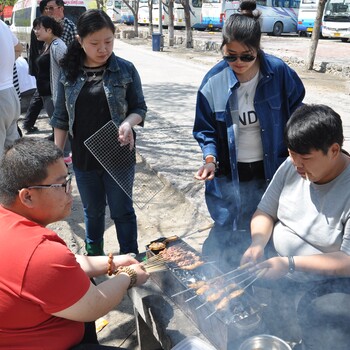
302, 227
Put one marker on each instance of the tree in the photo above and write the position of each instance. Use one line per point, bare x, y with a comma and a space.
134, 7
150, 16
315, 35
187, 11
171, 29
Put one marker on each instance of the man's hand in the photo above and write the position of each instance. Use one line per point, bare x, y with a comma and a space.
253, 254
275, 267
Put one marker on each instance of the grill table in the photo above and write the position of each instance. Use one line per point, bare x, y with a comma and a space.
160, 324
165, 320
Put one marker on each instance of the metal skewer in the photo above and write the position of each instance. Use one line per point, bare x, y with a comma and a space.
195, 296
259, 274
198, 307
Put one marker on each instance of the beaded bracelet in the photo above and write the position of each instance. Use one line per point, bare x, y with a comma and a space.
131, 272
110, 271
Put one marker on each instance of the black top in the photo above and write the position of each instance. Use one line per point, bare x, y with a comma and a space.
35, 49
43, 77
91, 113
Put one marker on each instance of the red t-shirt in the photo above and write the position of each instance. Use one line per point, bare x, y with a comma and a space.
39, 275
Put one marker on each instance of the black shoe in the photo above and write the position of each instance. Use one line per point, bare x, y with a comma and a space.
30, 130
50, 137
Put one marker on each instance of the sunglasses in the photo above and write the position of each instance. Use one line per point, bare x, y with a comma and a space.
243, 58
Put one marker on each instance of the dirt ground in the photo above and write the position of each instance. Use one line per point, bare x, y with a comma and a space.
168, 213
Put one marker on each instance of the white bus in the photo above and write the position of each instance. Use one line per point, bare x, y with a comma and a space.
113, 10
25, 11
143, 15
336, 20
307, 16
179, 13
277, 16
126, 15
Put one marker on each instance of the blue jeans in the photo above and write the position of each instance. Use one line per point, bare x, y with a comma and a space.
95, 187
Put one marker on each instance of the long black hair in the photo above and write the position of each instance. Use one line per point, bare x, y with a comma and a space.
89, 22
243, 27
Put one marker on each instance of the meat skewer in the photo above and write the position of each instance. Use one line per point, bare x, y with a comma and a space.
237, 293
194, 285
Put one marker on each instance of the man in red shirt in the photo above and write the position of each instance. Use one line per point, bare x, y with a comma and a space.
46, 294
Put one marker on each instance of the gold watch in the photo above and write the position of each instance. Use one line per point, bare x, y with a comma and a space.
131, 272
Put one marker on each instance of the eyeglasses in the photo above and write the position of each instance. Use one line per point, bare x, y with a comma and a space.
51, 8
67, 185
243, 58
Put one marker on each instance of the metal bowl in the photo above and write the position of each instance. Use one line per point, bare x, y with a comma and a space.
264, 342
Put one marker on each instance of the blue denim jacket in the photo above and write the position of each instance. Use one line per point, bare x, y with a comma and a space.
278, 93
122, 86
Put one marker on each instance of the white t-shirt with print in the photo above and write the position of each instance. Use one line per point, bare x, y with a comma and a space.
249, 139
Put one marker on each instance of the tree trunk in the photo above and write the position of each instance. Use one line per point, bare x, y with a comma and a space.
309, 65
171, 31
189, 39
136, 16
150, 16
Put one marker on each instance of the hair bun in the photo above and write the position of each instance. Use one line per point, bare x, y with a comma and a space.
248, 6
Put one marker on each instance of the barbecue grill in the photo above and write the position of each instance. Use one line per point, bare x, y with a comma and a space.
226, 328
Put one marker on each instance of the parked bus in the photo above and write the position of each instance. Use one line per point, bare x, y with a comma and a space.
126, 15
179, 13
277, 16
143, 15
113, 8
25, 11
336, 20
307, 16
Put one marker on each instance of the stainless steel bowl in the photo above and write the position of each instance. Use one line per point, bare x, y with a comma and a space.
264, 342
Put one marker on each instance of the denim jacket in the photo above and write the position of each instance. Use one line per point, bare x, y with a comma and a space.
122, 86
279, 92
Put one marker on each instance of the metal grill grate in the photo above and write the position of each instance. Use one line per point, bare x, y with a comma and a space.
117, 161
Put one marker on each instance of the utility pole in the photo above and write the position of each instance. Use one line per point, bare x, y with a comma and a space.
160, 17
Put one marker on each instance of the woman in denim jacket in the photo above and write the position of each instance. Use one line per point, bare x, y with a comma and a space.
242, 107
96, 87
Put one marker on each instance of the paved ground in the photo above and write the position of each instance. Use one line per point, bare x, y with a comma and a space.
170, 79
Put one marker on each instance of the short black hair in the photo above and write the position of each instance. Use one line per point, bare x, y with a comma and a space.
313, 127
25, 164
59, 2
42, 5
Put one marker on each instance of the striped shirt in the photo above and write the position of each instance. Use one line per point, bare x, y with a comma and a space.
16, 81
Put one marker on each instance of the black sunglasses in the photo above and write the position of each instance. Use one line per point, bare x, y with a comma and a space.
243, 58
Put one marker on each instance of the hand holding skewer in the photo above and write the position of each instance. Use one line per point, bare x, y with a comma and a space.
274, 268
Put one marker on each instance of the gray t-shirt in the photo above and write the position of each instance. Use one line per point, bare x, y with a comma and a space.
310, 218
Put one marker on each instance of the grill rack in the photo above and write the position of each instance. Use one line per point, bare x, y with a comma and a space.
243, 318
